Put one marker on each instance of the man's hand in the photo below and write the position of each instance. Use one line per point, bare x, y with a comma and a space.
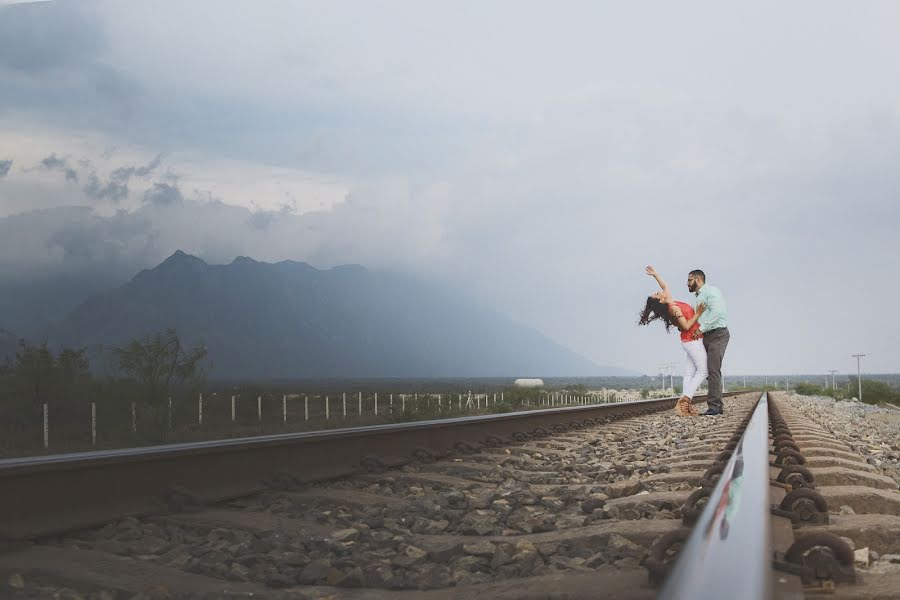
700, 309
695, 335
651, 271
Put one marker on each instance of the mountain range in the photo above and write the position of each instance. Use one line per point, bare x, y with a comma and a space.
291, 320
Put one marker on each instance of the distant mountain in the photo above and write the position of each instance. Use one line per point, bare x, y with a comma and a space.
290, 320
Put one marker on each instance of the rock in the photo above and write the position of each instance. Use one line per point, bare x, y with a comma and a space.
569, 521
485, 549
315, 572
353, 578
446, 553
478, 522
454, 500
621, 547
593, 502
846, 510
238, 572
430, 576
416, 554
861, 557
890, 558
470, 563
628, 487
380, 576
16, 581
552, 503
503, 555
526, 557
153, 545
345, 535
645, 509
595, 560
436, 527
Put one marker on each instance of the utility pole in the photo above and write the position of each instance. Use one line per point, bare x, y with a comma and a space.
832, 380
858, 373
670, 366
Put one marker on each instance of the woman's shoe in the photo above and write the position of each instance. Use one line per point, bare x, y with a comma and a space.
684, 407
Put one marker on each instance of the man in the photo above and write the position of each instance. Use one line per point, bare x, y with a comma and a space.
714, 327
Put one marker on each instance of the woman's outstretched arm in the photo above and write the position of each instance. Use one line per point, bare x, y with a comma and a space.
662, 284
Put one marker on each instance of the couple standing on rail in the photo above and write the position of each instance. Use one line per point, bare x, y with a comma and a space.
704, 336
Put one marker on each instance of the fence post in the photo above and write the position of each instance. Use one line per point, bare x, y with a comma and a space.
403, 402
416, 403
133, 418
392, 403
200, 410
326, 408
259, 409
344, 397
170, 414
376, 403
93, 423
440, 405
284, 409
460, 401
360, 404
306, 408
501, 396
232, 409
46, 428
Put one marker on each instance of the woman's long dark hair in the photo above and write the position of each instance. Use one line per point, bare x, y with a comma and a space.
654, 309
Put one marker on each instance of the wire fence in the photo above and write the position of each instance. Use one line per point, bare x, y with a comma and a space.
55, 427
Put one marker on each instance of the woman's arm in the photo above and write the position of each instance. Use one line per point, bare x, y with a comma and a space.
662, 284
686, 324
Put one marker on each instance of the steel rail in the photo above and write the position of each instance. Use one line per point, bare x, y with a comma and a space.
53, 494
728, 553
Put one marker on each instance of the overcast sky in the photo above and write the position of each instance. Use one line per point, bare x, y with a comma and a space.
534, 155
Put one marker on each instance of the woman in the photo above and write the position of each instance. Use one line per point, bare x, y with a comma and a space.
671, 312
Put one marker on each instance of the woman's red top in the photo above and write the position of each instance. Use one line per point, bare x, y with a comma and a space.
688, 311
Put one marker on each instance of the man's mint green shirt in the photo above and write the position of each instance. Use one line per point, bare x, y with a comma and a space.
716, 314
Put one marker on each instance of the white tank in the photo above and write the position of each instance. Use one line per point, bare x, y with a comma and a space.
529, 383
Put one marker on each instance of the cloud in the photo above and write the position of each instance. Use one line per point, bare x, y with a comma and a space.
124, 174
163, 194
533, 175
46, 36
5, 166
111, 190
55, 163
55, 62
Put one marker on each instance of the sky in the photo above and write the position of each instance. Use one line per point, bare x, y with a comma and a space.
533, 155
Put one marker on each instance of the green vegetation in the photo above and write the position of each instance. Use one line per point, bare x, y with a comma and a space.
131, 401
873, 392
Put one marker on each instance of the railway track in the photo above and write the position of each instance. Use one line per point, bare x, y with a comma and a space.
569, 503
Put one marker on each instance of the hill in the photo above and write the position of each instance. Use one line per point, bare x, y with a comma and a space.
291, 320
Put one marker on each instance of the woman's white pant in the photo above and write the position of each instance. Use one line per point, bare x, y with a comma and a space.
695, 370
